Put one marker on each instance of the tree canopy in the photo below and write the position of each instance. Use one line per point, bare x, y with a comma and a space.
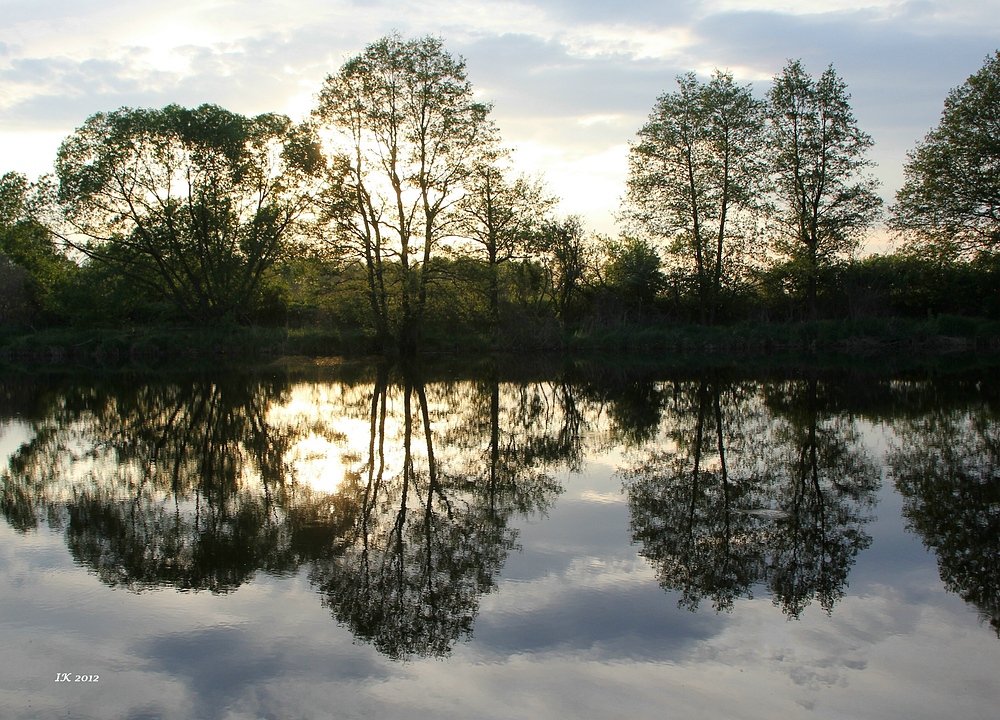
33, 267
695, 179
825, 198
197, 203
409, 133
950, 201
397, 215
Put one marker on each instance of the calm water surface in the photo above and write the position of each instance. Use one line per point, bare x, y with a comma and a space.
501, 541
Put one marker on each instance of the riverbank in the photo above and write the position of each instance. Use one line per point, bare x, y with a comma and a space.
937, 335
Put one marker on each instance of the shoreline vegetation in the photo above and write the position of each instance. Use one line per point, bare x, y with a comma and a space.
393, 223
852, 340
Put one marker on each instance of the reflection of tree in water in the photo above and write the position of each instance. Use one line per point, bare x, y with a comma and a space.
691, 506
159, 484
194, 486
825, 492
430, 540
746, 499
947, 468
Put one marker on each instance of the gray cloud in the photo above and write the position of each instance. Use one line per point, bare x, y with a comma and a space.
565, 76
639, 11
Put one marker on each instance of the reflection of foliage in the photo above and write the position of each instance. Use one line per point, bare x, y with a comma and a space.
195, 485
429, 542
744, 500
826, 488
947, 467
152, 483
690, 507
146, 544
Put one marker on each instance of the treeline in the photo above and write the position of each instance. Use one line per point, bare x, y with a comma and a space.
396, 212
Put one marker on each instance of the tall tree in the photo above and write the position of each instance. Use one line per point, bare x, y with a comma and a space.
950, 201
197, 203
410, 133
498, 216
825, 197
695, 178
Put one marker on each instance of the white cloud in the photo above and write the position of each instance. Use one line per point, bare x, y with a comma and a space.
571, 81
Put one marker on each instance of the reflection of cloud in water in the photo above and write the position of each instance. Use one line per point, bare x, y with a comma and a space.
574, 626
13, 434
604, 498
233, 666
595, 612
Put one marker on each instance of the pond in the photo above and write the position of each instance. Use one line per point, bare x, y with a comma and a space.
500, 539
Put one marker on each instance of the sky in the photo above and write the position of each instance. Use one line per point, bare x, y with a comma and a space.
571, 81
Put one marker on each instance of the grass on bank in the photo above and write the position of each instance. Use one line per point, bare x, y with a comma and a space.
237, 343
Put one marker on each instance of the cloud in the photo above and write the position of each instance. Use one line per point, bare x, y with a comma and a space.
572, 80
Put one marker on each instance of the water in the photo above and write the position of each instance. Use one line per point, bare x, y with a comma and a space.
501, 541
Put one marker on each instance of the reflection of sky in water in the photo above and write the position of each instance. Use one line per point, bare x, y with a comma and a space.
576, 628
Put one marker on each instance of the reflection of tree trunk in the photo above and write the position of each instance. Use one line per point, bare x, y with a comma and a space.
376, 448
494, 438
377, 434
407, 462
698, 436
722, 463
814, 469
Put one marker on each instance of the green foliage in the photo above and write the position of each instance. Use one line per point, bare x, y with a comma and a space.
912, 286
825, 198
498, 216
15, 301
422, 235
634, 271
35, 269
695, 179
196, 204
564, 259
410, 134
949, 204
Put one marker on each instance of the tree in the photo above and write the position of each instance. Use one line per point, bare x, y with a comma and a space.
409, 133
695, 177
13, 198
634, 270
498, 216
825, 198
950, 201
563, 252
35, 268
196, 203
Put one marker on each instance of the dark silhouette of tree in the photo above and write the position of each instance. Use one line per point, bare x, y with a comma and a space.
412, 135
32, 268
695, 179
633, 272
197, 204
499, 215
562, 253
825, 197
773, 494
947, 468
949, 205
